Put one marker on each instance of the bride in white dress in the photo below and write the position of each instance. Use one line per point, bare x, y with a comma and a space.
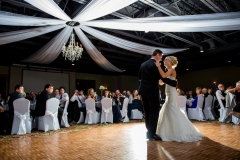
173, 125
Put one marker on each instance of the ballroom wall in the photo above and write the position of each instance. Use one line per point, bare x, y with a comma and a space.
189, 81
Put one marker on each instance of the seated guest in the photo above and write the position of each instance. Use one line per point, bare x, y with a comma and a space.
32, 99
236, 91
56, 93
117, 116
136, 103
106, 94
130, 97
63, 97
15, 95
193, 104
41, 102
120, 97
91, 94
76, 108
220, 94
180, 92
3, 120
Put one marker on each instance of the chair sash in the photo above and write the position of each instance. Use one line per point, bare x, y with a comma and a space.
200, 113
89, 112
22, 126
54, 116
106, 111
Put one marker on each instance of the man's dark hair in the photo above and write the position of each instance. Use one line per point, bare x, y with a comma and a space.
157, 51
48, 85
62, 88
18, 86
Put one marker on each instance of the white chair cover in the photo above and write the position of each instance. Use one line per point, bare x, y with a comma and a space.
208, 106
196, 113
22, 121
181, 103
64, 121
230, 98
50, 120
222, 110
107, 115
124, 110
92, 116
81, 119
136, 114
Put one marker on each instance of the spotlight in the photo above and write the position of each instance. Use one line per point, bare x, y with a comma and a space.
73, 64
201, 49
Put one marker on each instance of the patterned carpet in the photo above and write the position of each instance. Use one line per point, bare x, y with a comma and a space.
77, 127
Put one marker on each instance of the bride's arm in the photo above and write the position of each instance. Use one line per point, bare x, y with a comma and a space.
161, 82
162, 73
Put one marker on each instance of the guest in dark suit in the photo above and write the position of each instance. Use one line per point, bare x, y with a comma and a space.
149, 91
41, 100
18, 93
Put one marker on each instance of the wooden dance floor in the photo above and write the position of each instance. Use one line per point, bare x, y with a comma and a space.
125, 142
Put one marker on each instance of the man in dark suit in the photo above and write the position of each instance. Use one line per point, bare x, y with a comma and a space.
149, 91
18, 93
41, 100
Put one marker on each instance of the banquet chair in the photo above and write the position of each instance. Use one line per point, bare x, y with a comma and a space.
81, 118
230, 99
212, 107
208, 106
107, 114
64, 120
21, 122
125, 110
136, 114
222, 110
50, 120
181, 103
196, 113
92, 116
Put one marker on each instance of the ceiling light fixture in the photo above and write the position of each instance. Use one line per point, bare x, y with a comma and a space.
201, 49
72, 52
146, 31
187, 69
229, 61
73, 64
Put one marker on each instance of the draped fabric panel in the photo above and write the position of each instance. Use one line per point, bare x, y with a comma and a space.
128, 45
52, 49
94, 53
14, 36
50, 7
12, 19
99, 8
188, 23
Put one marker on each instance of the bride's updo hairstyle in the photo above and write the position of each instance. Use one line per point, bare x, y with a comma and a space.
173, 60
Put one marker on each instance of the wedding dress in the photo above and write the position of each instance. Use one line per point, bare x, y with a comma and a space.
173, 125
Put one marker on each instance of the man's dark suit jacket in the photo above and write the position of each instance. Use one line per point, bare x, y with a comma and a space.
41, 103
149, 77
15, 95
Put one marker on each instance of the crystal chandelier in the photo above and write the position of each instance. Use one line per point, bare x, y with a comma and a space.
72, 52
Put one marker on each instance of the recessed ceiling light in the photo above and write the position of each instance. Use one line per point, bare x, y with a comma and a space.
146, 31
73, 64
229, 61
187, 69
124, 70
201, 49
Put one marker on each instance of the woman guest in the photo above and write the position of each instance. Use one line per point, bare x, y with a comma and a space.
193, 104
236, 91
94, 97
136, 103
106, 94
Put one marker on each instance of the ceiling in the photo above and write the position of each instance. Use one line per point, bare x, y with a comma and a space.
220, 48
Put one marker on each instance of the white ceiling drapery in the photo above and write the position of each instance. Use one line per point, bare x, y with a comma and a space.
188, 23
94, 53
50, 7
128, 45
13, 19
99, 8
52, 49
14, 36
